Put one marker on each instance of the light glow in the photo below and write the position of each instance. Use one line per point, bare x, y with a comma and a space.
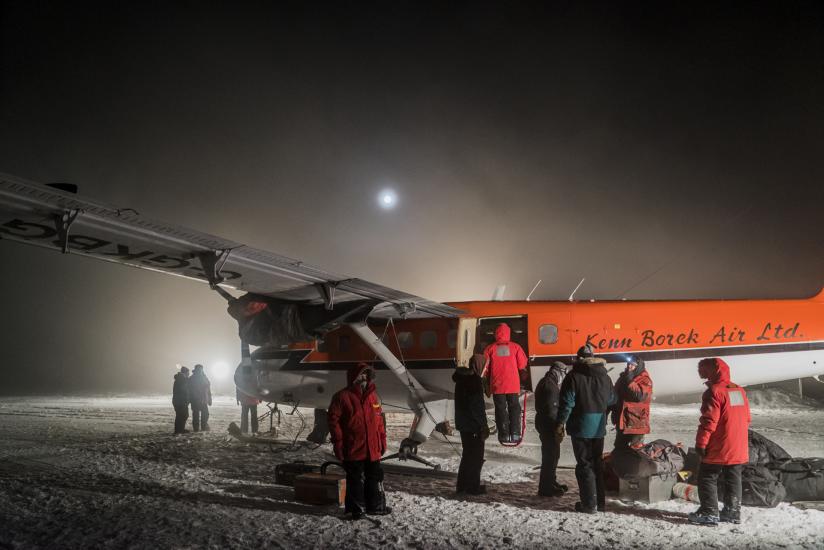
220, 370
387, 199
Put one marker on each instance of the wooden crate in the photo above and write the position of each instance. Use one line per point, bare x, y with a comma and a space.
317, 488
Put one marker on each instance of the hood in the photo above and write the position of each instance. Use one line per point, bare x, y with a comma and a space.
502, 333
477, 363
640, 368
590, 366
354, 371
557, 372
715, 370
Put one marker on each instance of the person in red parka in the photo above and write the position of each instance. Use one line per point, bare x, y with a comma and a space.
721, 443
358, 438
630, 415
505, 362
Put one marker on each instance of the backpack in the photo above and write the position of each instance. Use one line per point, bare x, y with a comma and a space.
803, 478
657, 457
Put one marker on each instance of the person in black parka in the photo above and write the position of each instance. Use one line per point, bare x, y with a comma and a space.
470, 421
200, 397
547, 396
180, 400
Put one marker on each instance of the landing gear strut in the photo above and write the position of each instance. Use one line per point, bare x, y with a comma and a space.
409, 451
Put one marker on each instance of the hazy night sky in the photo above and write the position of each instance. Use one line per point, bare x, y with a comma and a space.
551, 142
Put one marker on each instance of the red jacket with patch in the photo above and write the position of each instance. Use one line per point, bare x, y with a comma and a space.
725, 416
505, 360
355, 422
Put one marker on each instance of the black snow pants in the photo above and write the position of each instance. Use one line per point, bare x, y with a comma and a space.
507, 416
708, 475
200, 417
627, 440
589, 471
472, 460
364, 486
550, 453
181, 416
245, 412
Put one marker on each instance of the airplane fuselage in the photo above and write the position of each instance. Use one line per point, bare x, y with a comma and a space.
762, 340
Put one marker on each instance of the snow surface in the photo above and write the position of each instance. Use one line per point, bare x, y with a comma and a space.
80, 472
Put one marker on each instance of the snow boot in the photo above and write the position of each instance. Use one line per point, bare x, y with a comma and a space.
579, 507
385, 511
701, 518
730, 516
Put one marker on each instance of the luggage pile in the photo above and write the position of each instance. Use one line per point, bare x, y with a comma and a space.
772, 476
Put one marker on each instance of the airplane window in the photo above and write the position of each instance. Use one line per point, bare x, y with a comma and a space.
548, 334
405, 340
343, 342
452, 338
429, 339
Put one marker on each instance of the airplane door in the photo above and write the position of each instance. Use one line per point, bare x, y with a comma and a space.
466, 340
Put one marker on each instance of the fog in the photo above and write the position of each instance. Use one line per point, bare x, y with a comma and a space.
658, 154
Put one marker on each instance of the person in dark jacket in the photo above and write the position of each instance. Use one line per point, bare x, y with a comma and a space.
586, 396
358, 438
630, 415
547, 396
200, 396
505, 363
722, 443
470, 421
180, 400
248, 410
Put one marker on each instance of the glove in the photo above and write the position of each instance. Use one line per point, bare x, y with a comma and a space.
560, 432
701, 452
484, 433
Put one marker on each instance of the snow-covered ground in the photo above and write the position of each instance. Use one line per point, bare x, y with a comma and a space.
107, 472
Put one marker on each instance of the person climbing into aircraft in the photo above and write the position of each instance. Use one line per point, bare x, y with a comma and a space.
200, 397
586, 396
631, 413
248, 409
180, 400
358, 436
722, 444
505, 362
547, 395
470, 421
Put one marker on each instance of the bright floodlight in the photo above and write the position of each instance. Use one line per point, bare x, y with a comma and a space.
220, 370
387, 199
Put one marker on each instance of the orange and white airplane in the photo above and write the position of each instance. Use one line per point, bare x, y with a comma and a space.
311, 325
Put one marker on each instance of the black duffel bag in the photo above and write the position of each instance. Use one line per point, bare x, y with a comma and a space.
763, 451
759, 487
803, 478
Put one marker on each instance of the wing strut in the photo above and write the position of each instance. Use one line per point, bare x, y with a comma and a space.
430, 408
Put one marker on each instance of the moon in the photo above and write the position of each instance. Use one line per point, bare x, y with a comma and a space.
387, 199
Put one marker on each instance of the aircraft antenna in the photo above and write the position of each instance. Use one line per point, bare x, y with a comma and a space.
533, 289
576, 288
498, 296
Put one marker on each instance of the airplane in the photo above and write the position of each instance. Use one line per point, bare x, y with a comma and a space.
309, 325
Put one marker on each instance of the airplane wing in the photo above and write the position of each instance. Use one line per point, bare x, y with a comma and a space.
44, 216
